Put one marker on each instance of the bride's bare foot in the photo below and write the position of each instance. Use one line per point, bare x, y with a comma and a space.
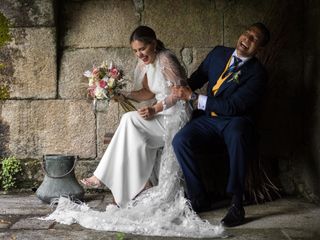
147, 186
92, 182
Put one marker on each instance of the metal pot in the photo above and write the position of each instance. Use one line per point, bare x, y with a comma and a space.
59, 178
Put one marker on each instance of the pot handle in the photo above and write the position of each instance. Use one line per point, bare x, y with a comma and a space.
45, 171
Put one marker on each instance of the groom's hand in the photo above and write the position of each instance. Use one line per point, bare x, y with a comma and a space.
180, 92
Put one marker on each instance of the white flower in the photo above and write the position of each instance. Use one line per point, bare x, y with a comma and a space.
104, 64
105, 78
88, 74
99, 93
91, 81
111, 82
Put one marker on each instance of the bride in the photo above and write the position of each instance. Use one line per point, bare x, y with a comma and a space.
142, 206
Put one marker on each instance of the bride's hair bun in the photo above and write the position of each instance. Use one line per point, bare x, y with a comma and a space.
147, 35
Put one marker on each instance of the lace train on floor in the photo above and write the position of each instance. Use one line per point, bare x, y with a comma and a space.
159, 211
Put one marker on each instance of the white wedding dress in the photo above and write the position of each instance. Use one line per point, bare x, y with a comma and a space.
129, 161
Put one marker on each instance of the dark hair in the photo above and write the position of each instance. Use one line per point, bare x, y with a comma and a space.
265, 32
146, 35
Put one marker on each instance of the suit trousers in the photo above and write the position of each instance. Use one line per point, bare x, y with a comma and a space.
202, 135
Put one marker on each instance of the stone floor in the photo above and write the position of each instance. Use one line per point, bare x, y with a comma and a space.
283, 219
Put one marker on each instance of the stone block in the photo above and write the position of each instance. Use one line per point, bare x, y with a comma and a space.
107, 122
193, 57
33, 224
28, 13
22, 205
85, 168
179, 23
44, 127
99, 23
72, 83
29, 63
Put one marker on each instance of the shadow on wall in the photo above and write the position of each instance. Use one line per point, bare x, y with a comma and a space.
4, 139
281, 117
60, 18
308, 163
289, 123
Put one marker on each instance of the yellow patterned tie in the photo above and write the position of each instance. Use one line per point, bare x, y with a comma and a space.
225, 74
221, 79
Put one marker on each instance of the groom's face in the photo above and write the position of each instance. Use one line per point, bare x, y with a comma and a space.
144, 51
249, 42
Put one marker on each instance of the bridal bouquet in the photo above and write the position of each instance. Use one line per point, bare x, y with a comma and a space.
105, 83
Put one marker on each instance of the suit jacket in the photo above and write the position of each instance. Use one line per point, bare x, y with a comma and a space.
234, 98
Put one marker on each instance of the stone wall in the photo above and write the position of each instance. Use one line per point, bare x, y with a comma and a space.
29, 77
54, 42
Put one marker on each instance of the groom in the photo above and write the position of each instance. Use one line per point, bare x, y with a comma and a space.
236, 83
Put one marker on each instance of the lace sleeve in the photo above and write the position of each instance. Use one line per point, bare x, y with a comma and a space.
139, 74
174, 74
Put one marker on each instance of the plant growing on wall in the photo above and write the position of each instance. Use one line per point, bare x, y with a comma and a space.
4, 38
9, 170
4, 92
4, 30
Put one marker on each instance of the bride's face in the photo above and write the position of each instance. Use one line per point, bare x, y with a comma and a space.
145, 51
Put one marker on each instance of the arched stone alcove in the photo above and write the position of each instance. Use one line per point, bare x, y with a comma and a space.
53, 42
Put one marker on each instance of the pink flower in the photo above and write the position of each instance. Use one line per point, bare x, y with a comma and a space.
102, 83
114, 72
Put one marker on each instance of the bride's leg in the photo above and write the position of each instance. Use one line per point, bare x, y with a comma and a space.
129, 158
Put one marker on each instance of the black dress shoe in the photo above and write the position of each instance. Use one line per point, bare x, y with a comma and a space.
234, 217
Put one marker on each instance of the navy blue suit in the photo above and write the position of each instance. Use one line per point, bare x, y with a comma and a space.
235, 104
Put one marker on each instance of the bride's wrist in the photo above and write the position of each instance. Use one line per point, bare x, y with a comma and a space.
157, 108
154, 110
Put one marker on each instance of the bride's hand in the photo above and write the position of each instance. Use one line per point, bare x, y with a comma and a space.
147, 112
